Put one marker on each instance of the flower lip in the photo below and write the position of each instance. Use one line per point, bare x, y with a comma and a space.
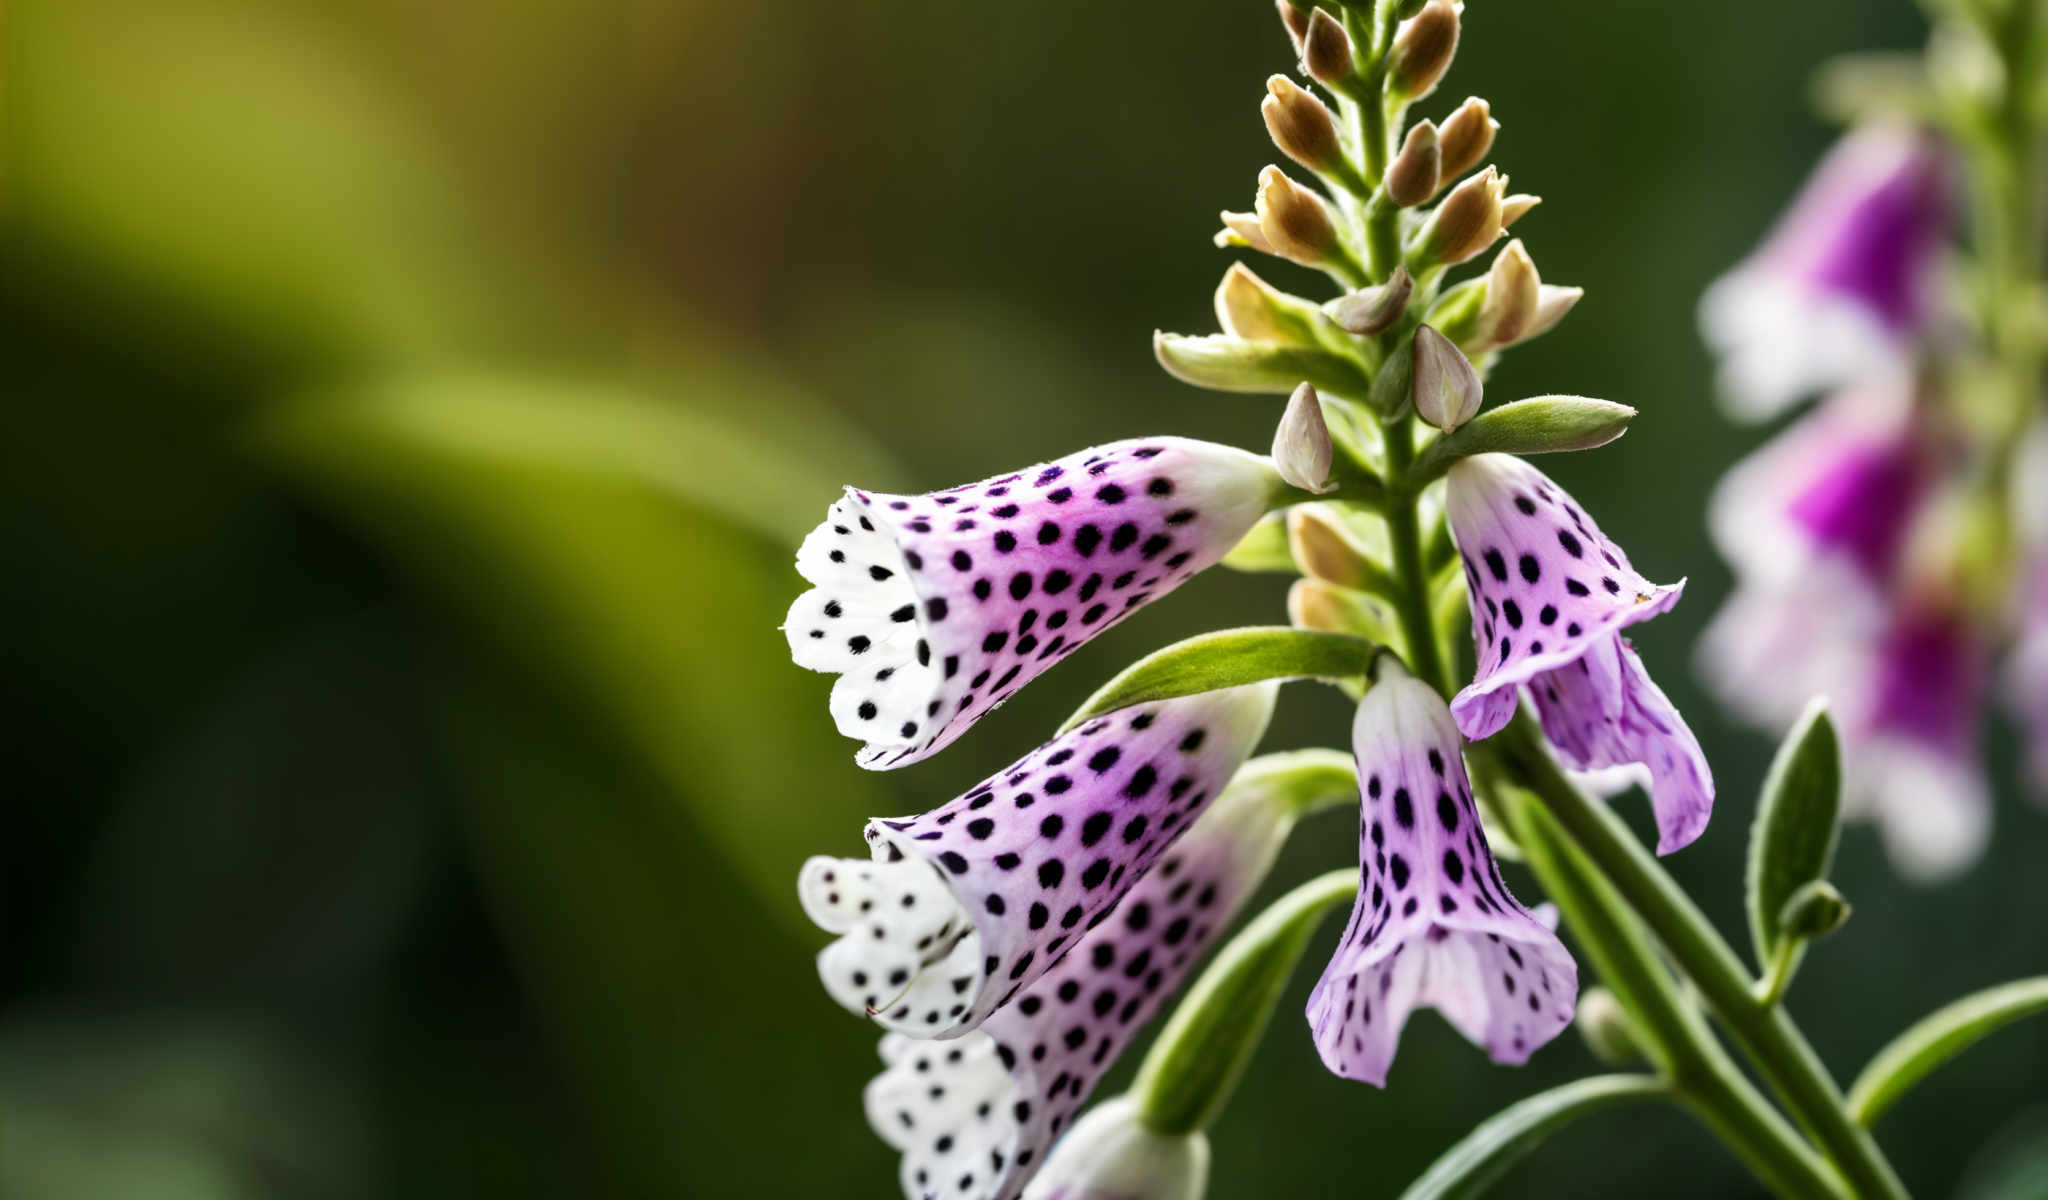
934, 609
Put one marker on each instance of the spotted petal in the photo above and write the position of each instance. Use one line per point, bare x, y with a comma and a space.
974, 1116
934, 609
966, 905
1434, 925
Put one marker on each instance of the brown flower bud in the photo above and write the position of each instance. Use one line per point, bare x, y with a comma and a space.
1301, 125
1446, 390
1322, 549
1326, 52
1375, 309
1512, 208
1313, 604
1466, 136
1467, 221
1242, 229
1423, 49
1415, 172
1296, 22
1513, 297
1294, 219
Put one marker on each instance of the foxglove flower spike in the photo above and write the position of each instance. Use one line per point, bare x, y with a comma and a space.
934, 609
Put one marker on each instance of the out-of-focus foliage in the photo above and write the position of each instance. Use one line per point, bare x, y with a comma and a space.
411, 410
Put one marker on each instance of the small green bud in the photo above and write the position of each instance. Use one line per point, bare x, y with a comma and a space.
1606, 1027
1301, 125
1466, 136
1814, 910
1416, 171
1542, 425
1326, 50
1301, 445
1445, 389
1389, 396
1373, 310
1423, 49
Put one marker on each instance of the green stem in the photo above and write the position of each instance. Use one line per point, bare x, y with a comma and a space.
1765, 1033
1404, 537
1778, 972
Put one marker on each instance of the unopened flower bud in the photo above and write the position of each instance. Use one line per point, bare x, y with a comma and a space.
1417, 169
1466, 222
1296, 22
1513, 295
1374, 310
1294, 219
1326, 51
1242, 229
1301, 125
1248, 307
1321, 548
1301, 446
1512, 207
1112, 1154
1466, 136
1423, 49
1815, 910
1313, 604
1605, 1025
1446, 390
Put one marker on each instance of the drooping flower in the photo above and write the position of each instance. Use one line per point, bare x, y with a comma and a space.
1843, 283
965, 906
1913, 764
1434, 925
1111, 1155
933, 609
975, 1115
1549, 596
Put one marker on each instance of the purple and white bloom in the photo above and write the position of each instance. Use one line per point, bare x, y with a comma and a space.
2027, 677
1111, 1155
933, 609
1550, 595
1913, 764
1844, 283
1434, 924
975, 1115
966, 906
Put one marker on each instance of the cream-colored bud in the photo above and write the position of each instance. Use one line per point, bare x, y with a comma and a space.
1606, 1026
1250, 308
1242, 229
1423, 49
1417, 170
1466, 136
1301, 125
1374, 310
1446, 390
1552, 303
1294, 219
1326, 51
1313, 604
1467, 221
1301, 446
1322, 549
1512, 207
1513, 296
1296, 22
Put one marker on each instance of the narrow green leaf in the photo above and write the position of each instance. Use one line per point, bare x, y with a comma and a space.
1228, 364
1938, 1037
1540, 425
1469, 1167
1229, 658
1797, 823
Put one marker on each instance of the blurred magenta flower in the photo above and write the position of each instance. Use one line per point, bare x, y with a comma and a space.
934, 609
1844, 283
1434, 925
1549, 595
964, 907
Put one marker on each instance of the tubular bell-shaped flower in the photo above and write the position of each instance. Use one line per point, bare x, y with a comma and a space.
1842, 284
933, 609
967, 905
1549, 596
974, 1116
1434, 924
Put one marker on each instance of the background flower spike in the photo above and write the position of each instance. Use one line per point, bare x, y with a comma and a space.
1434, 925
934, 609
1549, 595
975, 1116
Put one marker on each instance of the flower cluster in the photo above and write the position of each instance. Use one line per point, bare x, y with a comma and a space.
1013, 942
1878, 541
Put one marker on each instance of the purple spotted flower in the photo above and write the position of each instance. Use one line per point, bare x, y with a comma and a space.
933, 609
966, 906
1434, 924
1842, 286
1913, 765
2027, 678
1549, 595
975, 1115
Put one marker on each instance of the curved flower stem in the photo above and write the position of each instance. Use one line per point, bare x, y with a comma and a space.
1765, 1033
1404, 536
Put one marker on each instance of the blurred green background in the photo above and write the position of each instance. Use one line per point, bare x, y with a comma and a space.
411, 411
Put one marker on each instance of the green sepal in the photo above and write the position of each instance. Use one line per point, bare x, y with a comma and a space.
1230, 658
1540, 425
1228, 364
1468, 1168
1391, 397
1264, 548
1814, 911
1798, 821
1938, 1037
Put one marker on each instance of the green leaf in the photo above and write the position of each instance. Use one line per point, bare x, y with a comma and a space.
1229, 658
1228, 364
1797, 823
1539, 425
1469, 1167
1938, 1037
